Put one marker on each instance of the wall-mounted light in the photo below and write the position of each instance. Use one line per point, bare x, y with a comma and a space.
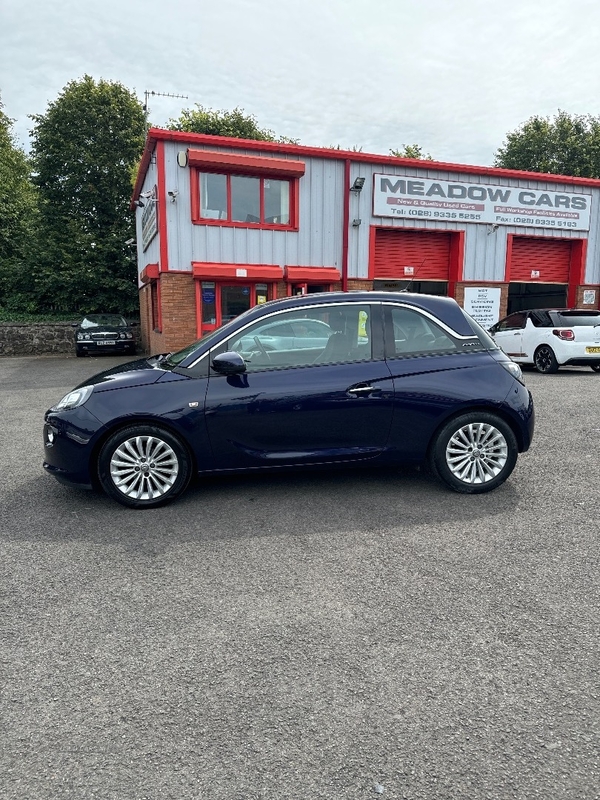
357, 185
140, 204
356, 223
149, 193
129, 241
493, 228
173, 195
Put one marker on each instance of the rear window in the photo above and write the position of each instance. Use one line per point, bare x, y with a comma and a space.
571, 319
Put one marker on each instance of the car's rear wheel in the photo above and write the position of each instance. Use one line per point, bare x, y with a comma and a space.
474, 453
144, 466
545, 360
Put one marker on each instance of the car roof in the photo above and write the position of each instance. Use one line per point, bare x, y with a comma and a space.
446, 308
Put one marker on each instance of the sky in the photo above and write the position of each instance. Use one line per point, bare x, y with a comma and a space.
454, 76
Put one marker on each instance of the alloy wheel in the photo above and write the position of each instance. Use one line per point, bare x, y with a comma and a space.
476, 453
144, 468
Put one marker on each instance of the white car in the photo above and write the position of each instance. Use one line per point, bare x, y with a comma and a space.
551, 338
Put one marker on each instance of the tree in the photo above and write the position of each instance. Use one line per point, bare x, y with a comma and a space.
411, 151
565, 145
223, 123
18, 222
84, 147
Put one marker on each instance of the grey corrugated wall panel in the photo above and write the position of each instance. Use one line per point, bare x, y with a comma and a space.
318, 242
319, 239
485, 251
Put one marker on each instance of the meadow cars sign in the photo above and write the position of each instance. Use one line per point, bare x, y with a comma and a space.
422, 198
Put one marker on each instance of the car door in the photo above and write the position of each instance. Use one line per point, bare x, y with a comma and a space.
508, 335
329, 403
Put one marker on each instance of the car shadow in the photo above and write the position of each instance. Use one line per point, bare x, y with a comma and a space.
293, 504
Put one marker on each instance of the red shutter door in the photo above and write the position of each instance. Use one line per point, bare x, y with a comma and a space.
550, 257
428, 253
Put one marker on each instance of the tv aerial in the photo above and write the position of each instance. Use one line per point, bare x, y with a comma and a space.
151, 93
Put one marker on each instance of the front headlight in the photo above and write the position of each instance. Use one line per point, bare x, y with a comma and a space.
74, 399
514, 369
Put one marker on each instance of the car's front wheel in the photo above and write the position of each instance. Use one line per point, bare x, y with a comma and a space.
474, 453
545, 360
144, 466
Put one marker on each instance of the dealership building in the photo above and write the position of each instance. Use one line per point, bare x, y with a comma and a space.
224, 224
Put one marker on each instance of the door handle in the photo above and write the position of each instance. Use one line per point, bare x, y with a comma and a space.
362, 390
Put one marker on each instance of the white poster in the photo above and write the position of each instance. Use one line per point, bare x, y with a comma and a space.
483, 304
424, 198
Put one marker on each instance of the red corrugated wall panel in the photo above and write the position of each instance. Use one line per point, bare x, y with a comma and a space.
551, 257
428, 253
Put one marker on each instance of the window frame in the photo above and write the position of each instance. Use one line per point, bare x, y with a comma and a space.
196, 204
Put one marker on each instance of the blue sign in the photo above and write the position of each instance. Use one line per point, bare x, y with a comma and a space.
208, 296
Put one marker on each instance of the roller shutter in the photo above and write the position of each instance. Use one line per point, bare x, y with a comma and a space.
428, 253
550, 257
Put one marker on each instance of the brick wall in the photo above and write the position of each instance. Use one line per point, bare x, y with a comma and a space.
581, 290
178, 307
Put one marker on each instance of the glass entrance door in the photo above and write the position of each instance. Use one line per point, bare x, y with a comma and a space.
234, 301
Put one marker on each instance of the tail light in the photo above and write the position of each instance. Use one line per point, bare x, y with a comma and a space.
567, 335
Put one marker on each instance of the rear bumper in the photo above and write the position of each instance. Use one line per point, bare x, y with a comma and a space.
587, 361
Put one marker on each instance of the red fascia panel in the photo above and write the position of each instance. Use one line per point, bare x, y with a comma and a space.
312, 274
248, 165
158, 134
149, 273
254, 272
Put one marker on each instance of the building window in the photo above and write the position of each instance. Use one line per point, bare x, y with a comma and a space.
245, 200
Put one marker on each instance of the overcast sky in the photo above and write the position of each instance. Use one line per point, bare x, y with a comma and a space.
451, 75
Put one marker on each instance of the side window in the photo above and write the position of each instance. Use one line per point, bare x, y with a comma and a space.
415, 334
331, 334
513, 322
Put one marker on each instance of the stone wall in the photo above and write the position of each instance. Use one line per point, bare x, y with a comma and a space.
39, 338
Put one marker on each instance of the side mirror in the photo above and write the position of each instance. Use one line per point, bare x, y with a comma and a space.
133, 324
74, 324
229, 363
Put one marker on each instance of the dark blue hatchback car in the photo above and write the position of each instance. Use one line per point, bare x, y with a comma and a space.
392, 378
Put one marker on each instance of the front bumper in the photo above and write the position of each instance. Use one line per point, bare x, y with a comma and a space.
125, 346
68, 444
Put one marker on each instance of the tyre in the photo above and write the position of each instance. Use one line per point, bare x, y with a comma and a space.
474, 453
80, 353
545, 360
144, 466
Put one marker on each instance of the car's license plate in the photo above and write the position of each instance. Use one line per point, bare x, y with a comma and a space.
592, 349
112, 341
